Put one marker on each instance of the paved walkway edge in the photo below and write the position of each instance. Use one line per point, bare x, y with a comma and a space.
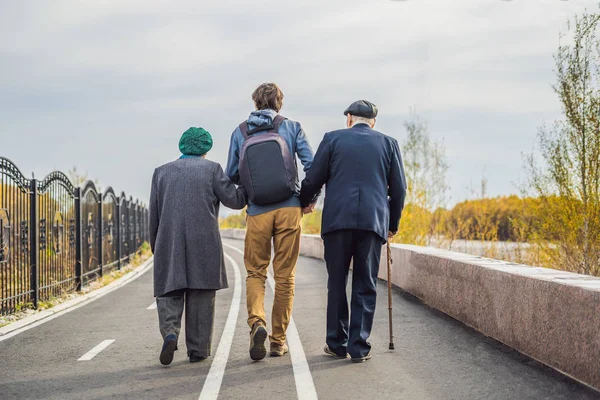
24, 324
548, 315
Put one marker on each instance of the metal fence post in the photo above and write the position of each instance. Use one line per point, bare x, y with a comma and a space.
100, 236
128, 232
78, 240
118, 234
135, 228
34, 252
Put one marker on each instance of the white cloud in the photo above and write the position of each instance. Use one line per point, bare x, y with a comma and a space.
80, 77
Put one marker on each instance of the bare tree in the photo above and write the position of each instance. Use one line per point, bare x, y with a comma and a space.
426, 175
79, 179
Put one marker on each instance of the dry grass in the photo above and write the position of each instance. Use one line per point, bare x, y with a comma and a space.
26, 309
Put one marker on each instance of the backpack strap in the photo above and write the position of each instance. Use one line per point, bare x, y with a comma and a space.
274, 126
244, 129
277, 121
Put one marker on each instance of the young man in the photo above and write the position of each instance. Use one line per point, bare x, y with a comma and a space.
266, 145
366, 188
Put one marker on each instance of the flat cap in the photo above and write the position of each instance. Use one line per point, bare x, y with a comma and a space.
362, 108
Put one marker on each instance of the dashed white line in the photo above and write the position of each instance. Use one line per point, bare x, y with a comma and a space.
212, 385
94, 352
82, 301
305, 386
152, 306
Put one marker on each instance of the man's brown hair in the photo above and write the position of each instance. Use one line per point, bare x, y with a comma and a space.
268, 96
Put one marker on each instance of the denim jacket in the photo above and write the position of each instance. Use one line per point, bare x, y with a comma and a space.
298, 144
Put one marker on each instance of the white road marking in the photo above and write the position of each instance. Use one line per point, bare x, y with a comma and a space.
85, 300
94, 352
212, 385
152, 306
305, 386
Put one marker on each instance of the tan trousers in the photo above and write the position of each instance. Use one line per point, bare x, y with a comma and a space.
283, 227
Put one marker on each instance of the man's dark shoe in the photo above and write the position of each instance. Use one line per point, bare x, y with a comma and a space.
168, 350
194, 358
359, 360
258, 336
333, 354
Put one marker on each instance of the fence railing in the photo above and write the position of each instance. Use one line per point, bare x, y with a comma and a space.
55, 238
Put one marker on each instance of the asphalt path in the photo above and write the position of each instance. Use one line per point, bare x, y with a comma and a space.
109, 349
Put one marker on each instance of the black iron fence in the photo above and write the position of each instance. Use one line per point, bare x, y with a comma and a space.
55, 237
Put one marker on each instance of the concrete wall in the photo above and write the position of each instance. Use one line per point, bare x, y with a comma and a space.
551, 316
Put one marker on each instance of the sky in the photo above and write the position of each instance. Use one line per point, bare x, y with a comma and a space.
110, 86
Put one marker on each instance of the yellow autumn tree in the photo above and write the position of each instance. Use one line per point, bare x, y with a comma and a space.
426, 169
567, 179
235, 220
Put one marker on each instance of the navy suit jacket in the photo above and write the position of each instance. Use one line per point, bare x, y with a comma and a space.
364, 177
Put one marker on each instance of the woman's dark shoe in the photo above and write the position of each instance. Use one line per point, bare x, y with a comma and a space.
258, 336
168, 350
194, 358
333, 354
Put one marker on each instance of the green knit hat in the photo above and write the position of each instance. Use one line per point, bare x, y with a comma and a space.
195, 142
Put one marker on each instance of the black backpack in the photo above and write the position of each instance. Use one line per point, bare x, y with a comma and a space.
268, 170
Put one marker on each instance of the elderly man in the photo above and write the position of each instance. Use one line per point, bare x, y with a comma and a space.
365, 194
184, 235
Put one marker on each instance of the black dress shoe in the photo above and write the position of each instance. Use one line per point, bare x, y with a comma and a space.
359, 360
195, 358
168, 350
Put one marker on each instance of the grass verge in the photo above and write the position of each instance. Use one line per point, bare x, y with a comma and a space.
26, 309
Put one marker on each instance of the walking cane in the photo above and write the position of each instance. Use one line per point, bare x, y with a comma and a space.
389, 285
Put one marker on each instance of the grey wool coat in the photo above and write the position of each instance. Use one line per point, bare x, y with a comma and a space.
184, 226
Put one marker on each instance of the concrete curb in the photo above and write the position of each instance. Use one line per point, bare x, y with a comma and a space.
26, 323
551, 316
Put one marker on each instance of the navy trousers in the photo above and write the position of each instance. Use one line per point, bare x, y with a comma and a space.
349, 334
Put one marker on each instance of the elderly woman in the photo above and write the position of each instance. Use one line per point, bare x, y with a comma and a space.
184, 236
